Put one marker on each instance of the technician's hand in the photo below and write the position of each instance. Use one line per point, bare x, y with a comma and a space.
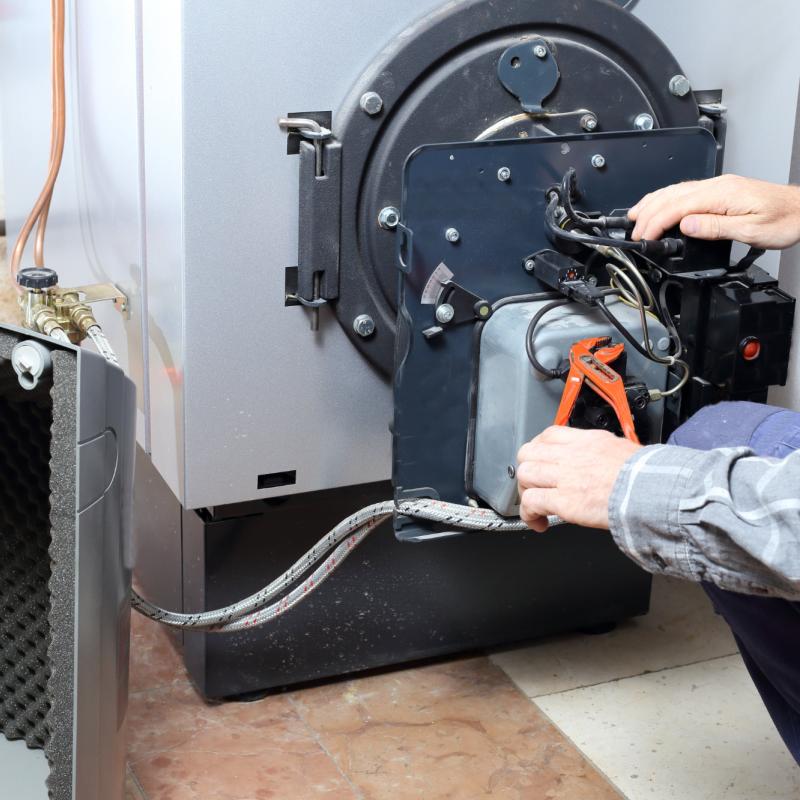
570, 473
758, 213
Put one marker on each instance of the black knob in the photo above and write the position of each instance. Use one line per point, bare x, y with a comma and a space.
37, 278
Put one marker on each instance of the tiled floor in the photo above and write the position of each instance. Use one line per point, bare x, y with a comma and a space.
452, 730
659, 709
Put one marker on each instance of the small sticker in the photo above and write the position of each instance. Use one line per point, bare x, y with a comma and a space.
438, 278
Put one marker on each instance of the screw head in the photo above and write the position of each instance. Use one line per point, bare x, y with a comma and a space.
364, 325
540, 51
679, 85
644, 122
504, 174
598, 161
452, 235
388, 218
589, 122
529, 264
445, 313
512, 471
371, 103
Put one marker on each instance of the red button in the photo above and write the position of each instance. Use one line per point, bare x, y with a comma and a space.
751, 349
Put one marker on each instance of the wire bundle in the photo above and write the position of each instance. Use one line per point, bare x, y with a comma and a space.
626, 280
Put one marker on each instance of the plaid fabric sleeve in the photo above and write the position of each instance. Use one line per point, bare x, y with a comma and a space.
725, 516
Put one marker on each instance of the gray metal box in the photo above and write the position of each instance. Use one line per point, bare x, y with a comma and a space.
515, 402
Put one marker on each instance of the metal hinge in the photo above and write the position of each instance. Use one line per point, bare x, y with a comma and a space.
317, 278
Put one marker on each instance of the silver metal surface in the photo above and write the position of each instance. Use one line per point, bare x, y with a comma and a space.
530, 265
445, 313
388, 218
644, 122
588, 122
364, 325
679, 85
598, 161
371, 103
515, 402
452, 235
504, 174
540, 51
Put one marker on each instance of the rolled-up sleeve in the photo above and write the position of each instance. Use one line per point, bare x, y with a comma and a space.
725, 516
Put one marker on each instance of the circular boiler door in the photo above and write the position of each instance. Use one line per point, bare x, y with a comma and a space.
483, 70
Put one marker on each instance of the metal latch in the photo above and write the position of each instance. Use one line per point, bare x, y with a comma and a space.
317, 279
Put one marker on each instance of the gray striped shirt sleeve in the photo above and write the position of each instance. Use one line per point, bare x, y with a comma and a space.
725, 516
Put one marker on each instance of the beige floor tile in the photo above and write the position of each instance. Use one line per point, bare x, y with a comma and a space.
698, 732
680, 629
453, 731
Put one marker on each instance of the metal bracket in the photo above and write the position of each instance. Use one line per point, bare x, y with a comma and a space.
530, 72
100, 292
456, 305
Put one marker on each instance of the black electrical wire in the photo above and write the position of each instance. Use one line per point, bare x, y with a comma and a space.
623, 330
556, 198
529, 337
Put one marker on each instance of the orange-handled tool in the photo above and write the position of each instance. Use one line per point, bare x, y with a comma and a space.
588, 363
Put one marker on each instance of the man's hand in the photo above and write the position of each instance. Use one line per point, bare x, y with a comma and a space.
570, 473
757, 213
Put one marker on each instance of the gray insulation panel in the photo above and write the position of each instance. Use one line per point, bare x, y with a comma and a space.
65, 491
515, 402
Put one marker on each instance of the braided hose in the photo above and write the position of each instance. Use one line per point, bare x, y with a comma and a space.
256, 610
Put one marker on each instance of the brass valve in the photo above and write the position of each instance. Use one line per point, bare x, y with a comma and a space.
62, 313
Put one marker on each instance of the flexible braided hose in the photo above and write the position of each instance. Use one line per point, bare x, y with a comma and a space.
255, 610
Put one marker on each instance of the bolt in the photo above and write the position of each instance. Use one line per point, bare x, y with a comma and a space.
540, 51
663, 343
445, 313
598, 161
644, 122
371, 103
452, 235
388, 218
679, 85
529, 265
504, 174
588, 122
512, 472
364, 325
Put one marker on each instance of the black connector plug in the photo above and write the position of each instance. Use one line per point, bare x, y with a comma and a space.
565, 275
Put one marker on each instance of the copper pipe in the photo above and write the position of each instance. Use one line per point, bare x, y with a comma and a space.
38, 249
58, 135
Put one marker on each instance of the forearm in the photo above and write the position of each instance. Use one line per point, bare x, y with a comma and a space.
723, 516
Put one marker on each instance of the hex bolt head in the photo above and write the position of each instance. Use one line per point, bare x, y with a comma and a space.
679, 85
598, 161
504, 174
540, 51
644, 122
452, 235
529, 264
445, 313
589, 122
389, 218
364, 325
371, 103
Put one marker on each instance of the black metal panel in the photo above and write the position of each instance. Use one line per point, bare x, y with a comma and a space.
390, 602
439, 82
500, 223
